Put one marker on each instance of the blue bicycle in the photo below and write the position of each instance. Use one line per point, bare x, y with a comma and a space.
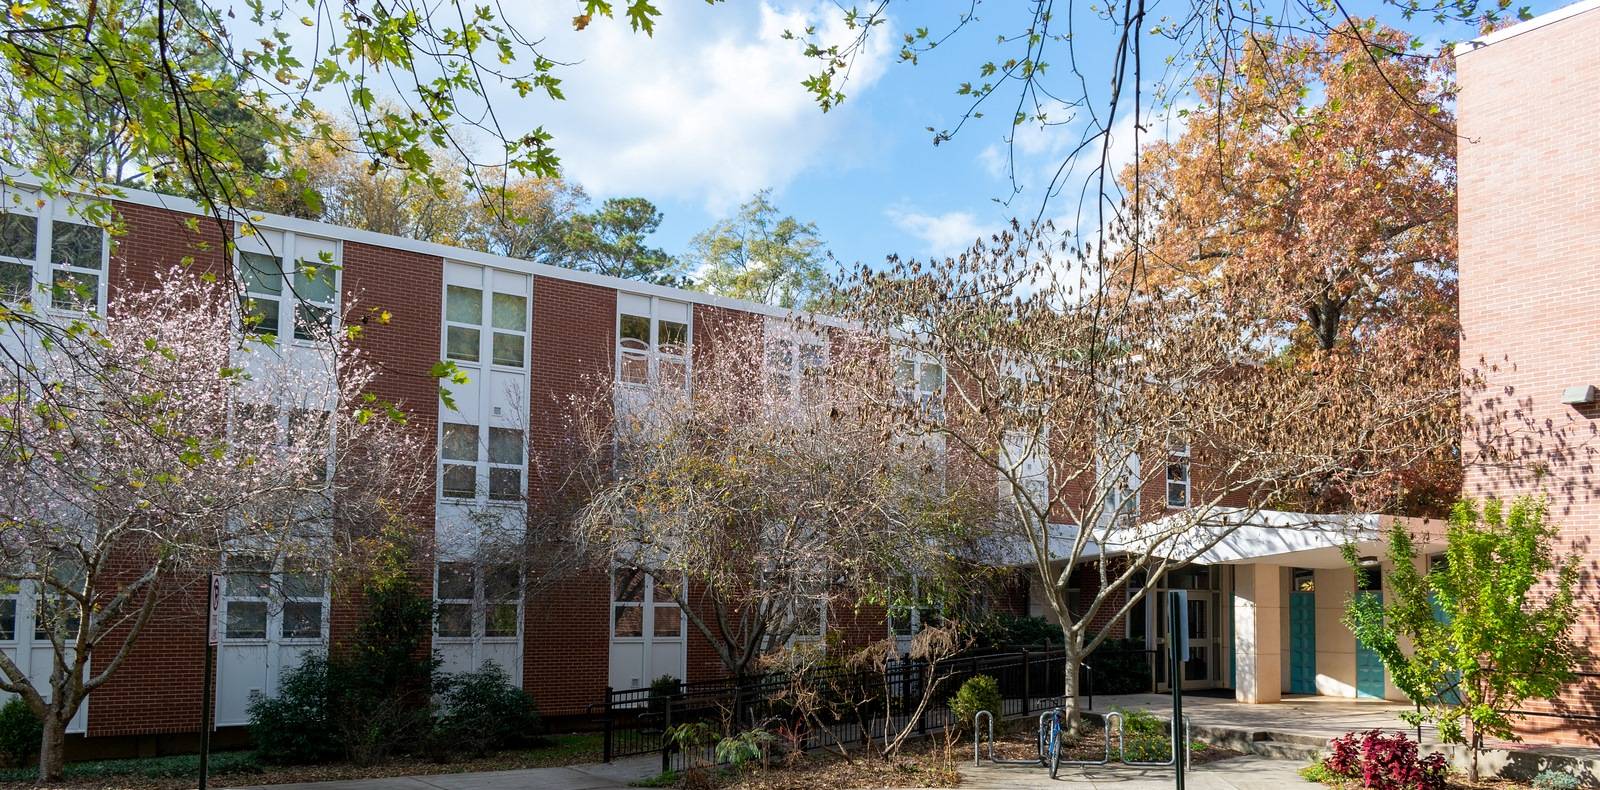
1053, 741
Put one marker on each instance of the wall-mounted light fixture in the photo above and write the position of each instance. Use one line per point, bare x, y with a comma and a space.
1580, 395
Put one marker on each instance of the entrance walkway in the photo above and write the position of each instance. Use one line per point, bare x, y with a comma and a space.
593, 776
1319, 717
1239, 773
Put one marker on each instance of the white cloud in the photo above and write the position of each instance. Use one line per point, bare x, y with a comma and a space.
710, 108
944, 234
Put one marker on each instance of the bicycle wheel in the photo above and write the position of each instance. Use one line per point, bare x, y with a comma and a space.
1055, 748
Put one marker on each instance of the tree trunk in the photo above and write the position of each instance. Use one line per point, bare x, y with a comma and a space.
1072, 666
52, 749
1477, 748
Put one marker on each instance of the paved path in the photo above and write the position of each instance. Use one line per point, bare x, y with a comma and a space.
1239, 773
593, 776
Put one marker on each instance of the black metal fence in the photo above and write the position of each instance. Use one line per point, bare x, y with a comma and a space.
840, 706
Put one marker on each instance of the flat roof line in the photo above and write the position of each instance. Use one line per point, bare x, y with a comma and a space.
1548, 18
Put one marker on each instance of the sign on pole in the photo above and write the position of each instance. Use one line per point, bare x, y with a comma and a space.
214, 615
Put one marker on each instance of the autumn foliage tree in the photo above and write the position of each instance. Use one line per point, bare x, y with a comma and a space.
1322, 172
1052, 378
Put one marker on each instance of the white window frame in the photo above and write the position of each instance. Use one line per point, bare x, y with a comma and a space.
1179, 458
485, 326
478, 604
275, 598
47, 213
1122, 501
649, 604
483, 464
290, 298
912, 388
653, 355
792, 360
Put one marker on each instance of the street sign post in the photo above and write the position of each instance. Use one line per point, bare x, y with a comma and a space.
213, 636
1178, 647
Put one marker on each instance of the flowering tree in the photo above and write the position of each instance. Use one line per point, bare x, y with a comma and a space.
141, 449
761, 500
1057, 380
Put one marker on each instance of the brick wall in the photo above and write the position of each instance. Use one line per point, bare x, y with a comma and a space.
567, 641
1529, 213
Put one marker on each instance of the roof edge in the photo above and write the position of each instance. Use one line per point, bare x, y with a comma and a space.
1528, 26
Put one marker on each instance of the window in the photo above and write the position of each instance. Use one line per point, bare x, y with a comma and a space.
77, 258
1372, 577
290, 282
464, 460
920, 383
9, 592
465, 591
264, 599
909, 617
653, 340
74, 255
1028, 464
19, 246
640, 604
466, 314
810, 619
259, 425
1178, 478
1122, 490
795, 366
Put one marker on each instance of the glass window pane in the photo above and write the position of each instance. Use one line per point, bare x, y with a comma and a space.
261, 315
455, 619
73, 290
16, 280
249, 577
667, 622
932, 380
247, 620
19, 235
508, 349
674, 373
263, 274
630, 621
456, 581
505, 446
302, 620
302, 585
72, 244
505, 485
312, 322
635, 331
509, 312
501, 583
313, 282
1177, 495
460, 481
635, 369
460, 442
8, 619
905, 374
674, 337
462, 343
500, 620
463, 304
629, 585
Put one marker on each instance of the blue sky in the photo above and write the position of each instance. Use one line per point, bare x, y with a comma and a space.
710, 109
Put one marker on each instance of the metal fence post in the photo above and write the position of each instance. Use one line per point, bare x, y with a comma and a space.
606, 751
1027, 680
666, 739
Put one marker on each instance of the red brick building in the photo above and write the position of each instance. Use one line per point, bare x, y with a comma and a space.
1529, 214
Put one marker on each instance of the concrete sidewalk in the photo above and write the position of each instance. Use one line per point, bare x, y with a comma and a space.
592, 776
1239, 773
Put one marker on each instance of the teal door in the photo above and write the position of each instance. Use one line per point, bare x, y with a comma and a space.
1369, 670
1302, 643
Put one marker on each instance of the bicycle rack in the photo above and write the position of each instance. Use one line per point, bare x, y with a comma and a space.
977, 730
1172, 760
985, 717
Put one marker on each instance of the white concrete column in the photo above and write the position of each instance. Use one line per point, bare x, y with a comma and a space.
1258, 645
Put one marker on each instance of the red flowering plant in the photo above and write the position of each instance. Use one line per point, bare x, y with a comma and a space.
1384, 762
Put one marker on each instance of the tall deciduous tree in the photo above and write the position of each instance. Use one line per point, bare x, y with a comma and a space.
1299, 174
1484, 629
762, 255
761, 501
139, 450
1055, 381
